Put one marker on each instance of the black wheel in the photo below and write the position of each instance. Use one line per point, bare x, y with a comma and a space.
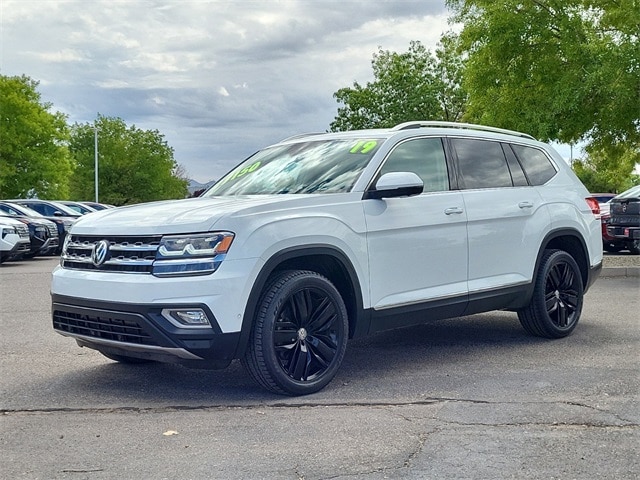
556, 304
299, 336
125, 359
634, 247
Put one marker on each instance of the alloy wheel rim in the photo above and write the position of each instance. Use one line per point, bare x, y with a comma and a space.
561, 295
306, 334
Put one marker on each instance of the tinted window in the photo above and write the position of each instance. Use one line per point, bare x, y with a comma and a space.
517, 175
482, 164
536, 164
425, 158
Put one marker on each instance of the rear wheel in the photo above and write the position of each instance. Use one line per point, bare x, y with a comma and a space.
556, 303
299, 336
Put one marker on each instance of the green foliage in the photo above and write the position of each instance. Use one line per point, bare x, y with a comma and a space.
34, 160
414, 85
134, 165
608, 168
558, 69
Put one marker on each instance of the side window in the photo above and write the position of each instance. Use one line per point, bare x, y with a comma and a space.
536, 164
37, 207
517, 175
482, 164
424, 157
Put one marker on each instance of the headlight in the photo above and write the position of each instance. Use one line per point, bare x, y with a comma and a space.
8, 231
197, 254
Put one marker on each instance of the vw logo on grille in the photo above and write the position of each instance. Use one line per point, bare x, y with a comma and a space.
99, 252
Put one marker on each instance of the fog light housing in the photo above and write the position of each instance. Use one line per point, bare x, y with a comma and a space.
187, 317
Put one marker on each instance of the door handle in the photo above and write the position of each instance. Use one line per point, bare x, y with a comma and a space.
525, 205
452, 210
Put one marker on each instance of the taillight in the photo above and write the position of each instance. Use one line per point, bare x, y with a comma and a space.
593, 205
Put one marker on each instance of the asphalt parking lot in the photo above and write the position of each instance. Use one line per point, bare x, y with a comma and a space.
471, 397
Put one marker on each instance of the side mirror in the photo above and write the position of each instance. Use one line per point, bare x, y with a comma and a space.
396, 184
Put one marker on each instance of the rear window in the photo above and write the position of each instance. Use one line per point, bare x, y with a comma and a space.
482, 164
536, 165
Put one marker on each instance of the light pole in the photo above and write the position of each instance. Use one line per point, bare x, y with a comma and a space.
95, 131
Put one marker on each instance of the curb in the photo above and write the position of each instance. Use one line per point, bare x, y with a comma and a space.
620, 272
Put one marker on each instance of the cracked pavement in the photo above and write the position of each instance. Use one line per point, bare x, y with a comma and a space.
471, 397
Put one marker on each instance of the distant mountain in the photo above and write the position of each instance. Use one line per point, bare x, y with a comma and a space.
194, 186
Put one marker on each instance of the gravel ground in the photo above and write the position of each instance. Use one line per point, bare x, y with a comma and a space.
621, 260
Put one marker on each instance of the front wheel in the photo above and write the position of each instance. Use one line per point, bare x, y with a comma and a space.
556, 303
299, 336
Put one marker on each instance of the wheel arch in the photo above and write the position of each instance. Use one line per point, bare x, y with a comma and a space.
574, 244
326, 260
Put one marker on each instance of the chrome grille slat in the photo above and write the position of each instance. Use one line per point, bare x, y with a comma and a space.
127, 254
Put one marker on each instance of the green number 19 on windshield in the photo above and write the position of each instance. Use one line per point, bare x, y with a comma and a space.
364, 146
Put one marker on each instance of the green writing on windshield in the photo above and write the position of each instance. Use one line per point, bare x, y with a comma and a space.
364, 146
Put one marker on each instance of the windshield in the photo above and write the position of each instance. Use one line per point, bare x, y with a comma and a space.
325, 166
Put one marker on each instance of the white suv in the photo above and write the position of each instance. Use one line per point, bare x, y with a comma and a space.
14, 238
325, 237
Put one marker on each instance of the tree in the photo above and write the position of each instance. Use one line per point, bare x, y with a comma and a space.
600, 174
414, 85
34, 160
134, 165
564, 70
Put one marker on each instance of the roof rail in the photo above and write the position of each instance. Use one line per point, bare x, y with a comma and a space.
470, 126
300, 135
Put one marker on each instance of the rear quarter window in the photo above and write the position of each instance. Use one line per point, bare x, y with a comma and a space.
536, 164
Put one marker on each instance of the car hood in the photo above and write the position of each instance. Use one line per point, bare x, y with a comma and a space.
189, 215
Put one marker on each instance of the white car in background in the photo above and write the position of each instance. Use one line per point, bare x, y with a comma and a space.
14, 238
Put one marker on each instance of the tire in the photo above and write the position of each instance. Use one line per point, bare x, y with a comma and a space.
124, 359
634, 247
299, 336
557, 299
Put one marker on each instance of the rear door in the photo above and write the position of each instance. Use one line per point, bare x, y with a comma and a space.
506, 216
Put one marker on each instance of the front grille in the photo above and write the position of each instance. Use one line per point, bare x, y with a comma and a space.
105, 325
53, 231
126, 254
23, 231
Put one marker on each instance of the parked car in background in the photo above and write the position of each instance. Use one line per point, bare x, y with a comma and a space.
98, 206
609, 243
77, 207
63, 222
14, 239
43, 234
623, 222
603, 198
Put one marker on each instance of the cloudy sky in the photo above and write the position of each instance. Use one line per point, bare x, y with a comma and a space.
219, 79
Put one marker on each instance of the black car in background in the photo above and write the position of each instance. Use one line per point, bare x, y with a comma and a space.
623, 224
63, 220
43, 234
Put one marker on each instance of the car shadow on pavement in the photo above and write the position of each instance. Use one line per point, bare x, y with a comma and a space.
381, 365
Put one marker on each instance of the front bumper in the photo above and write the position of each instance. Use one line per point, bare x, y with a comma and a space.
141, 331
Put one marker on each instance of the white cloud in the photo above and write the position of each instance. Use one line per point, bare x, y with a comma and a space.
219, 79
